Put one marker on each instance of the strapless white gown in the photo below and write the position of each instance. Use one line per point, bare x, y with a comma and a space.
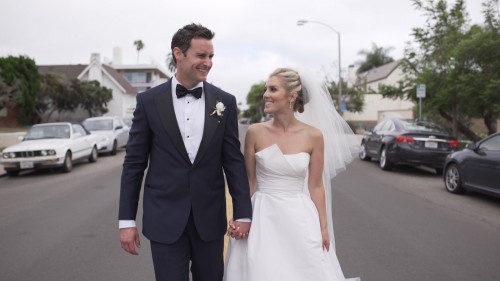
285, 239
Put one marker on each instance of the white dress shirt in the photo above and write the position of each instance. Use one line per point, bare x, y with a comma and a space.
190, 114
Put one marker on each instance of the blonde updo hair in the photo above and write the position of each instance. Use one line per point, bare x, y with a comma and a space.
292, 83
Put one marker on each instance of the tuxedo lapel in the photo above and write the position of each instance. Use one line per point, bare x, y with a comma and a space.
211, 121
165, 107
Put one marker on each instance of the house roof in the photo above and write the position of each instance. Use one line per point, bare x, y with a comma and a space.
155, 68
70, 72
376, 74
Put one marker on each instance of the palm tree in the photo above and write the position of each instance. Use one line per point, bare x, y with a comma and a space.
139, 45
171, 65
375, 57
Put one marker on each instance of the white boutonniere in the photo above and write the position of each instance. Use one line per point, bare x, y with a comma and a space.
219, 109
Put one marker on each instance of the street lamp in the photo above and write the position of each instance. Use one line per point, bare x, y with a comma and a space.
302, 22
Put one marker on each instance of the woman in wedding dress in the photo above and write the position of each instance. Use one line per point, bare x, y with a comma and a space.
290, 161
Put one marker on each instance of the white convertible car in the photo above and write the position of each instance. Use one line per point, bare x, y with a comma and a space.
50, 145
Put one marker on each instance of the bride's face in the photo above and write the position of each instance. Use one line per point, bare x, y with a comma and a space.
275, 96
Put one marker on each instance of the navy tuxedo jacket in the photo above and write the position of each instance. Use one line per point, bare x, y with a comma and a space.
173, 186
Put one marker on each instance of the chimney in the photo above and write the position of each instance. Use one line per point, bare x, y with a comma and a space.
351, 76
117, 56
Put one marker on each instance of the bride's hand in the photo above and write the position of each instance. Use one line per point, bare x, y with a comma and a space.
326, 240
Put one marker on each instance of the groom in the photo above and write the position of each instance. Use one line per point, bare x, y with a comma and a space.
185, 132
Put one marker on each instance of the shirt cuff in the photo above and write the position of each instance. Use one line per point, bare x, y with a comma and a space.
126, 223
244, 220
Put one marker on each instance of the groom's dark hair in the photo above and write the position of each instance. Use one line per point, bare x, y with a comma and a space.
182, 38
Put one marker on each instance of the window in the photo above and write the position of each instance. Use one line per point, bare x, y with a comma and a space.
492, 144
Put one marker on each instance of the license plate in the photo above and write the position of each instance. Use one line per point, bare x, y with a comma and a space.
431, 144
27, 165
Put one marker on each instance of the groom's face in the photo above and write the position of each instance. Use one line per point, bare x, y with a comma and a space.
194, 65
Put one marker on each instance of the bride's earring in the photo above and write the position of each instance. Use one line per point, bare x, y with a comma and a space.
291, 104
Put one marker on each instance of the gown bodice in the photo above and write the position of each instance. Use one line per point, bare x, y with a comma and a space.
280, 173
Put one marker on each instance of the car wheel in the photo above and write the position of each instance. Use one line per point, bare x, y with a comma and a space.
439, 171
452, 179
93, 155
12, 173
68, 163
362, 153
115, 148
385, 164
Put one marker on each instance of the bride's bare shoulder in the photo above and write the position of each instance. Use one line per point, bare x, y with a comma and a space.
257, 127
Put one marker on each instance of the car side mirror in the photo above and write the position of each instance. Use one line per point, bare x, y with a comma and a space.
471, 146
77, 135
118, 128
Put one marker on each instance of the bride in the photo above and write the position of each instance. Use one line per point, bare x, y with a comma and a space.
290, 162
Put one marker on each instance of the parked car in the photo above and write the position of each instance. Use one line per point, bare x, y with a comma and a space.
396, 141
50, 145
128, 121
112, 131
476, 167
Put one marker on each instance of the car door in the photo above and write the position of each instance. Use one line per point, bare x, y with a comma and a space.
484, 168
374, 139
120, 131
81, 142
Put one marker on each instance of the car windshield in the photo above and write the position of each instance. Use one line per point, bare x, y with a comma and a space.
422, 126
48, 132
98, 125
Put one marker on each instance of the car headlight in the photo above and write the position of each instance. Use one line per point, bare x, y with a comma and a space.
8, 155
48, 152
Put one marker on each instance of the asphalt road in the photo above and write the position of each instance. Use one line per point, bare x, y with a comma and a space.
399, 225
403, 225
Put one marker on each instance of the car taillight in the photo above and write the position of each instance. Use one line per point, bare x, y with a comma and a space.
454, 143
400, 139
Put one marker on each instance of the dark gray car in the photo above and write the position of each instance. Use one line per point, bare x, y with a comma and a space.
396, 141
477, 167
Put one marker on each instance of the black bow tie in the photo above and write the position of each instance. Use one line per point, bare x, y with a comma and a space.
181, 91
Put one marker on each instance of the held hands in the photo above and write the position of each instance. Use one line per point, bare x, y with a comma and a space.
129, 237
238, 230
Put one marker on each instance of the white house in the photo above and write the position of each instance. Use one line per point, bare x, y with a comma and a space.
376, 107
123, 93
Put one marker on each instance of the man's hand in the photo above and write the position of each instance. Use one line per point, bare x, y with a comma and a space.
238, 229
129, 238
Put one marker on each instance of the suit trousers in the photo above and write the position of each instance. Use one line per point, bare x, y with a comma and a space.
171, 261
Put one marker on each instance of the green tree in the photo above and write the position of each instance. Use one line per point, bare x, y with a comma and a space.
354, 97
21, 79
374, 58
139, 45
255, 102
7, 92
54, 96
458, 64
91, 96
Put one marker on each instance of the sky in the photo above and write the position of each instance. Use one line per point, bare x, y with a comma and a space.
252, 37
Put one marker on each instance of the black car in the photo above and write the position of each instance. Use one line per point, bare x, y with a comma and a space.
477, 167
396, 141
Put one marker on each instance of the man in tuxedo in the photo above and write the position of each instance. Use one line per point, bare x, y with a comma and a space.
185, 132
